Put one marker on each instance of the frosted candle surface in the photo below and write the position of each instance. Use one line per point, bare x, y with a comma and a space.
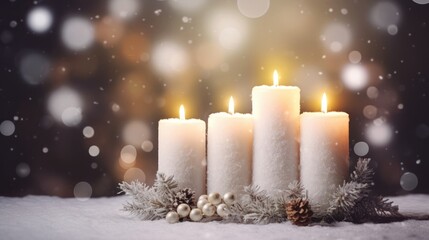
276, 127
324, 154
181, 152
229, 152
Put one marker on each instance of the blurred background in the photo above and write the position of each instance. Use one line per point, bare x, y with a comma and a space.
84, 83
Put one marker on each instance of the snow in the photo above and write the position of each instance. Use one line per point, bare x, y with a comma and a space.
43, 217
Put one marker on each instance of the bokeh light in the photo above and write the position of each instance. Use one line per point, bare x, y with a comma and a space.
169, 58
136, 132
77, 33
147, 146
409, 181
82, 191
421, 1
88, 132
133, 174
355, 56
124, 9
336, 37
65, 104
361, 149
253, 8
39, 19
71, 116
187, 6
7, 128
355, 77
379, 133
384, 13
94, 151
128, 154
227, 28
372, 92
370, 111
34, 68
23, 170
392, 29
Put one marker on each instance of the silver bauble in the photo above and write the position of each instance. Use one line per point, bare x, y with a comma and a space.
229, 198
215, 198
209, 209
196, 214
172, 217
183, 210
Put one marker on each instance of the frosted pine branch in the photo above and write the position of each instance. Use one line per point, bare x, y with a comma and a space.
256, 207
150, 203
295, 190
346, 197
353, 201
363, 173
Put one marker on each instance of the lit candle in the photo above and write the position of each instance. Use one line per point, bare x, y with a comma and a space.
182, 151
324, 153
276, 133
229, 151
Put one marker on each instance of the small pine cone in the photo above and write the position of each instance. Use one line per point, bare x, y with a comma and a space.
299, 212
186, 196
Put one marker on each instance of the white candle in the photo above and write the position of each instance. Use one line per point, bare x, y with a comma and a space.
229, 151
182, 151
324, 153
276, 133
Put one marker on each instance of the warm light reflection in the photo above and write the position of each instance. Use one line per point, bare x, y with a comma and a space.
231, 105
275, 78
324, 103
182, 112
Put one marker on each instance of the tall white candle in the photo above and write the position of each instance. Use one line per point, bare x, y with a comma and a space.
276, 133
229, 151
324, 153
182, 151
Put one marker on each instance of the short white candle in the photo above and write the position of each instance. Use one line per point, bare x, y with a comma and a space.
182, 151
324, 153
229, 151
276, 133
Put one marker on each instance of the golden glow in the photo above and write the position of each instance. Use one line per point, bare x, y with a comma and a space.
275, 78
231, 105
324, 103
182, 112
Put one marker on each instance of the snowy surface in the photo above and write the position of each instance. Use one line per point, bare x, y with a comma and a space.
41, 217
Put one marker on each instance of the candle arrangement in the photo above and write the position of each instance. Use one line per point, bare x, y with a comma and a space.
261, 148
281, 163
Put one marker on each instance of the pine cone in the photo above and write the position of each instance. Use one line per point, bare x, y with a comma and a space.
185, 195
299, 212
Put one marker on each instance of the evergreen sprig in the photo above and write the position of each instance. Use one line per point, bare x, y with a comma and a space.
256, 207
353, 201
150, 203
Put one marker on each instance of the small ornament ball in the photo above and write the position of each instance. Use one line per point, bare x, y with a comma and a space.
196, 214
222, 210
204, 196
215, 198
229, 198
172, 217
209, 209
201, 203
183, 210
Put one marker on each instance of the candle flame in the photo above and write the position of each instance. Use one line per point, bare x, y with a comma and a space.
324, 103
182, 112
275, 78
231, 105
